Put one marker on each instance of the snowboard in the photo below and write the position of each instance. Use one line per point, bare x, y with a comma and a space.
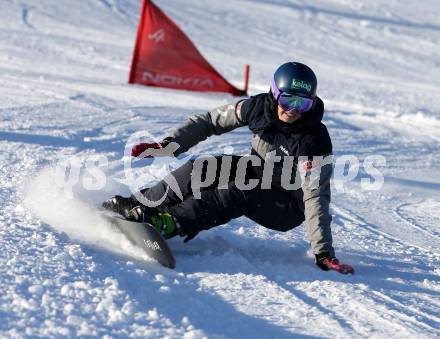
145, 236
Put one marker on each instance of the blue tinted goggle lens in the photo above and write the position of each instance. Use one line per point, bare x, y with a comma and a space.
291, 102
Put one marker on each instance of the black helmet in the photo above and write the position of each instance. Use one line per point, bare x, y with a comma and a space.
294, 78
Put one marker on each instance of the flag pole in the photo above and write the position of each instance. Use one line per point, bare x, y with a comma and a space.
246, 78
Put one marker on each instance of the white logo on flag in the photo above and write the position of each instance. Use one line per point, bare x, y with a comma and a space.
157, 36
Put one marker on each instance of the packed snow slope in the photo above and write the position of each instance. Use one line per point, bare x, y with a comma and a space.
64, 100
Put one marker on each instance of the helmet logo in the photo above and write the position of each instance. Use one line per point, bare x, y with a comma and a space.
301, 84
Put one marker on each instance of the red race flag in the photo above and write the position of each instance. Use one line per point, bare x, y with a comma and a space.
165, 57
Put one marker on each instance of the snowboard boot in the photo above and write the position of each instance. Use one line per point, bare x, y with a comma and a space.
120, 205
163, 222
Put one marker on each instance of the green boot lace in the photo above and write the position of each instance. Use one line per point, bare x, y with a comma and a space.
165, 224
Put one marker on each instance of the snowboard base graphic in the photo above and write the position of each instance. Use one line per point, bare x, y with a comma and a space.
145, 236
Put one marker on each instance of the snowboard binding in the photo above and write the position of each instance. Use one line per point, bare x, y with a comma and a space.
132, 210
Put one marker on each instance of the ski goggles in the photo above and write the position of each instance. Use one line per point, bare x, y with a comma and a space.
290, 102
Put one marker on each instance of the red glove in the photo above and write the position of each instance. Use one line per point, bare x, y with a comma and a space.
166, 148
333, 264
138, 149
326, 262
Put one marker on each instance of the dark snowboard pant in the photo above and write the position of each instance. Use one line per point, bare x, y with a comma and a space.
273, 208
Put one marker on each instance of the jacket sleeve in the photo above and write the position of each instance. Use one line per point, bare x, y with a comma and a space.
316, 195
199, 127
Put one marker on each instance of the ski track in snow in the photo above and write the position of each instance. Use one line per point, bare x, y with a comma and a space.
64, 272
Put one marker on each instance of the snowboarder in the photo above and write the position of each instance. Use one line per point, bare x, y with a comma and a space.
286, 122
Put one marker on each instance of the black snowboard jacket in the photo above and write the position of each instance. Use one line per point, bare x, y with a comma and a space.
306, 141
